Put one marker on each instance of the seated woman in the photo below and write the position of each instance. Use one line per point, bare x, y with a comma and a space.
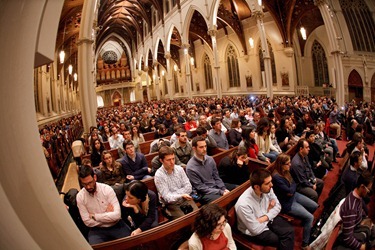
234, 134
233, 169
96, 154
137, 138
292, 202
111, 170
139, 207
248, 141
262, 138
106, 133
273, 137
211, 230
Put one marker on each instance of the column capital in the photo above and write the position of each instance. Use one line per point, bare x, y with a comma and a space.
84, 40
212, 32
167, 55
185, 46
319, 2
155, 63
258, 14
145, 68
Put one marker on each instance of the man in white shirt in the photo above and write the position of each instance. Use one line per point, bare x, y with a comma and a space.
116, 140
173, 185
257, 210
99, 209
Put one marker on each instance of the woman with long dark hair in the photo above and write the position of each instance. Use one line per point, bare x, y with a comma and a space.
292, 202
248, 141
211, 230
233, 169
234, 134
96, 154
263, 140
139, 207
112, 172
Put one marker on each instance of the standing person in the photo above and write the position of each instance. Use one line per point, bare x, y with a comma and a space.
303, 174
257, 210
211, 230
173, 185
99, 209
357, 229
203, 175
140, 205
292, 202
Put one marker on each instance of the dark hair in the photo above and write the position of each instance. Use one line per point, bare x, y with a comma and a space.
164, 151
258, 176
85, 170
234, 123
281, 160
300, 144
138, 189
214, 121
237, 152
354, 157
195, 140
94, 148
263, 123
127, 142
249, 142
364, 179
283, 121
201, 130
180, 130
207, 219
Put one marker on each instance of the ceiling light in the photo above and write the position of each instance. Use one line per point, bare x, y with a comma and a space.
303, 33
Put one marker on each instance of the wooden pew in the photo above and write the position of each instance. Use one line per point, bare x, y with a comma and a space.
171, 234
149, 158
144, 147
221, 154
149, 136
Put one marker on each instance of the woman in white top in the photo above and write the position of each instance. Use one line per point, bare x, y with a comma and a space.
212, 231
262, 138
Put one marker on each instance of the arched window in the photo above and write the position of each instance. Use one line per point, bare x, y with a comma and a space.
273, 64
166, 6
207, 72
233, 71
360, 23
319, 61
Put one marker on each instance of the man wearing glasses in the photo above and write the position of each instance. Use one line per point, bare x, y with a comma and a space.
358, 230
99, 209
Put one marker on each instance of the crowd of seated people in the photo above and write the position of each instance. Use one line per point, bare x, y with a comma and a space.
261, 129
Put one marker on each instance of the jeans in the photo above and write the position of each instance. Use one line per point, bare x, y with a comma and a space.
303, 208
272, 155
102, 234
334, 146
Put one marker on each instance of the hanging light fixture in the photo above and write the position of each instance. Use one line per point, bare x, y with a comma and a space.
260, 2
192, 61
75, 77
70, 67
303, 33
62, 52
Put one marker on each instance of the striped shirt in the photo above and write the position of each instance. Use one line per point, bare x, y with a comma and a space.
352, 214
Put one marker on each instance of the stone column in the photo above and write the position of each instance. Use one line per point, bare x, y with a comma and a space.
156, 80
266, 56
338, 72
187, 69
213, 33
86, 67
147, 84
168, 75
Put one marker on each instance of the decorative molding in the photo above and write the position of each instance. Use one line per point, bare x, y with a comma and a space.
84, 40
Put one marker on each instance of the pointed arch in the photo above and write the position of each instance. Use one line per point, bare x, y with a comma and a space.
232, 66
320, 64
355, 85
187, 21
169, 36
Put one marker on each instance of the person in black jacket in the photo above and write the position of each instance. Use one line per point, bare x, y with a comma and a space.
233, 169
319, 161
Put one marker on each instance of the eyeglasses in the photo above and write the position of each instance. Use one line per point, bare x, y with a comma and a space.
222, 224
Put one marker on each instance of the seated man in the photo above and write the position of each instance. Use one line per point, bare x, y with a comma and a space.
116, 140
173, 185
99, 209
182, 147
352, 172
218, 135
357, 229
257, 210
134, 163
203, 174
210, 142
303, 174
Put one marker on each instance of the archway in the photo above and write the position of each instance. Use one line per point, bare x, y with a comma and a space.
355, 86
116, 97
373, 88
